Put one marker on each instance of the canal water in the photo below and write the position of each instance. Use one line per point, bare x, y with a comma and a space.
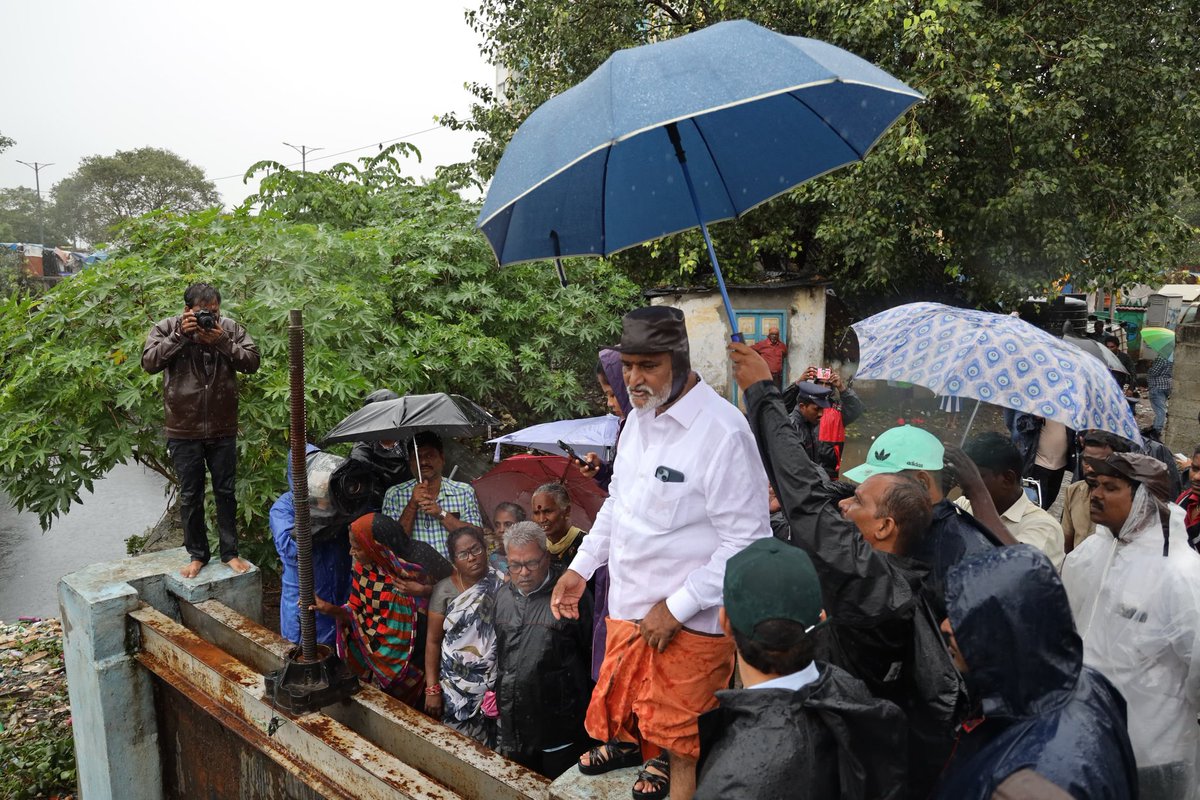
125, 502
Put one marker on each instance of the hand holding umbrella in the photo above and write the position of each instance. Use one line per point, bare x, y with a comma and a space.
748, 366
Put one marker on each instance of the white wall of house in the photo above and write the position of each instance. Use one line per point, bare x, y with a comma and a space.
708, 329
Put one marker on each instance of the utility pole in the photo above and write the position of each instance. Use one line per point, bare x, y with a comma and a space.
37, 168
304, 150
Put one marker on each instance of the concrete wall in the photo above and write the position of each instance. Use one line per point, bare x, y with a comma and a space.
1183, 429
708, 329
112, 698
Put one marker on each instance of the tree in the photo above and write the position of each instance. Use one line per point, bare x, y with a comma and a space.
108, 190
1049, 143
405, 295
5, 142
22, 218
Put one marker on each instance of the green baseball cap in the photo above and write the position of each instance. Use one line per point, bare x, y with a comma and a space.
898, 449
771, 579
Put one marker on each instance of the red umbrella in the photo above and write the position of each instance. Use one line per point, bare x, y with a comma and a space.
514, 479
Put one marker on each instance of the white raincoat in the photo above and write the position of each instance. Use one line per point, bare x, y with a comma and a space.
1138, 612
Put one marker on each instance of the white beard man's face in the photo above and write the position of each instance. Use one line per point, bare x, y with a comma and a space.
646, 398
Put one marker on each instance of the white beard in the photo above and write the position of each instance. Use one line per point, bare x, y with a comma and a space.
651, 399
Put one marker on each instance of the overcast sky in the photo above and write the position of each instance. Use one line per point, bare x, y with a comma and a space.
224, 83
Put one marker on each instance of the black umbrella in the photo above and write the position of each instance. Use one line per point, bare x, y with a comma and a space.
1100, 351
405, 417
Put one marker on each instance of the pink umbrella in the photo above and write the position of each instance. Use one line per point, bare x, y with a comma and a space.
514, 479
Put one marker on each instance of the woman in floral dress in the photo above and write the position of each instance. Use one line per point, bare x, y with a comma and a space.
460, 654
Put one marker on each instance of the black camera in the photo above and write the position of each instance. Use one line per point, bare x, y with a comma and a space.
206, 319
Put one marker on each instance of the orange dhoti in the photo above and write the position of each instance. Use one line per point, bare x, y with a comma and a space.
667, 692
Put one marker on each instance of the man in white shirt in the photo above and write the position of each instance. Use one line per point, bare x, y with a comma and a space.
688, 492
999, 465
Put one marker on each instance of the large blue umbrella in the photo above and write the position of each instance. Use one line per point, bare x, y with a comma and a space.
994, 358
668, 136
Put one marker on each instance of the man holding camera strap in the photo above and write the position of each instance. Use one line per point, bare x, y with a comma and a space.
200, 353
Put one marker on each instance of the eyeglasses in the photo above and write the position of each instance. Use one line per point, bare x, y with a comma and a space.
525, 566
466, 555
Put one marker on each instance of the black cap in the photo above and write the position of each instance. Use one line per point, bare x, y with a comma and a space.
654, 329
808, 392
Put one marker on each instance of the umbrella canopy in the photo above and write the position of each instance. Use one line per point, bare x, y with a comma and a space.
680, 133
996, 359
1100, 351
404, 417
583, 435
514, 479
1161, 340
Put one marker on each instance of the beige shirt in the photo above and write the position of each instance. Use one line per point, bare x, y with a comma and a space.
1052, 446
1077, 514
1029, 524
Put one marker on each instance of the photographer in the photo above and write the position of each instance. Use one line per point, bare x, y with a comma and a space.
200, 353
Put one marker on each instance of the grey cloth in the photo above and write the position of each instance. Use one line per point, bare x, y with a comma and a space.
443, 593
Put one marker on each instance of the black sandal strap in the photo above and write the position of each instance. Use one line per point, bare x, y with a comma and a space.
610, 750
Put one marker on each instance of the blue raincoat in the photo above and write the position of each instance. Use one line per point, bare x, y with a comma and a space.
331, 569
1038, 707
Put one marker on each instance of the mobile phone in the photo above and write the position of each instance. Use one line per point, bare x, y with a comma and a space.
824, 373
570, 451
1033, 490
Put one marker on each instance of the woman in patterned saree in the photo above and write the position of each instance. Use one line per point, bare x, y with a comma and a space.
460, 654
377, 627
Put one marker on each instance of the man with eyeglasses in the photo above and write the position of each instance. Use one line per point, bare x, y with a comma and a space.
543, 663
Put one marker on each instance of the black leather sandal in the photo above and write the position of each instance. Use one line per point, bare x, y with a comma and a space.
613, 754
661, 783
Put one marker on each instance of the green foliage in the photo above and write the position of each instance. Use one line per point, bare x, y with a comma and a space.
42, 763
23, 218
398, 290
1049, 144
108, 190
5, 142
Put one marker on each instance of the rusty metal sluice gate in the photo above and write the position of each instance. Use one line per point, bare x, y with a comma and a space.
215, 724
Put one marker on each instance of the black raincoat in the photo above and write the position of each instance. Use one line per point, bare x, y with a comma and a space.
1041, 709
544, 668
830, 739
881, 631
953, 535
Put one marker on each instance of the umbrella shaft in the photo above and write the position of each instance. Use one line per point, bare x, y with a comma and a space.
673, 134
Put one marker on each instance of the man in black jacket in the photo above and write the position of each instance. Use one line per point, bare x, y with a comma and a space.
200, 353
881, 631
543, 663
954, 533
799, 727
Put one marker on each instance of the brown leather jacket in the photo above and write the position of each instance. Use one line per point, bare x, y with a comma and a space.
199, 381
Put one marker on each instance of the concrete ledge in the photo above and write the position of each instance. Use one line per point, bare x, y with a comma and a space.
112, 697
574, 785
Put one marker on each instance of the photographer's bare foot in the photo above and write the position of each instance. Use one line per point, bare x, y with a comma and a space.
238, 565
192, 569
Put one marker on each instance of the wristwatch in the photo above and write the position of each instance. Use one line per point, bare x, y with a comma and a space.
442, 514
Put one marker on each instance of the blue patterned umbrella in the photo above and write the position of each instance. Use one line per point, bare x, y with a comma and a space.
994, 358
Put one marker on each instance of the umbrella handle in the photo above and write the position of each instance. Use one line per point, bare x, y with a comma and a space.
673, 135
562, 273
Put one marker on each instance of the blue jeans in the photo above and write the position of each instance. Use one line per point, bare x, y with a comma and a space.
1158, 400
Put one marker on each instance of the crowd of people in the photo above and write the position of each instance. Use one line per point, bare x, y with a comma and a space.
738, 622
